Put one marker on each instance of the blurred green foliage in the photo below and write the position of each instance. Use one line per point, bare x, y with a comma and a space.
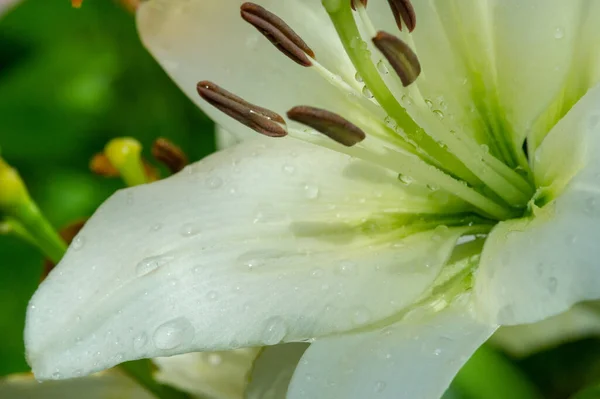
70, 80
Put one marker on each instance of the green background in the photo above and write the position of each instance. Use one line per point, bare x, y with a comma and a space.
70, 80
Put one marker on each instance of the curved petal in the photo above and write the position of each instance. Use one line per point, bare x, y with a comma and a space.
537, 267
260, 243
273, 370
208, 40
107, 385
402, 361
523, 340
218, 375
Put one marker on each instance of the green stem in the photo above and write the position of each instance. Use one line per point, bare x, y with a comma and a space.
39, 230
12, 227
488, 375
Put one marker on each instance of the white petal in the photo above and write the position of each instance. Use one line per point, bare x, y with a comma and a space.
6, 5
273, 370
525, 339
226, 139
403, 361
218, 375
208, 40
533, 269
254, 245
107, 385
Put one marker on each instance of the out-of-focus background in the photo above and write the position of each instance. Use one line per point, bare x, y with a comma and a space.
72, 79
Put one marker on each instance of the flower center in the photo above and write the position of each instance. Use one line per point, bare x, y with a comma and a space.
489, 174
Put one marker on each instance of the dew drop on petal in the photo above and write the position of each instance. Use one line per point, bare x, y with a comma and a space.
275, 331
379, 387
559, 33
214, 182
150, 264
189, 230
311, 191
140, 341
366, 92
212, 295
358, 78
405, 179
289, 169
78, 243
382, 68
173, 334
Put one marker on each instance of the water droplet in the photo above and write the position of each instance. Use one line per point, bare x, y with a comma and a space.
212, 295
214, 359
214, 182
361, 316
429, 103
406, 100
552, 285
56, 375
346, 267
275, 331
156, 227
311, 191
485, 148
189, 230
317, 273
358, 78
78, 243
366, 92
439, 113
437, 352
559, 33
379, 387
405, 179
382, 68
173, 333
150, 264
289, 169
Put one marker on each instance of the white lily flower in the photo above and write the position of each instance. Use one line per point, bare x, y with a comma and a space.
355, 246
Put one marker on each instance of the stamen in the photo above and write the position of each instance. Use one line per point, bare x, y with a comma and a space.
278, 32
400, 56
331, 125
169, 155
259, 119
354, 2
403, 11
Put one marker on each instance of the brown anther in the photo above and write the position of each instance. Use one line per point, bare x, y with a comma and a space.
100, 165
354, 2
169, 154
260, 119
403, 10
278, 32
67, 234
400, 56
331, 125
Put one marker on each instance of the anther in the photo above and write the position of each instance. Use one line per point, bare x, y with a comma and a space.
261, 120
403, 10
331, 125
400, 56
354, 2
278, 32
169, 155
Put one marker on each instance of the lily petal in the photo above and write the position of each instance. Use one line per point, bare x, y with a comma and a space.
218, 375
106, 385
6, 5
537, 267
273, 370
208, 40
257, 244
402, 361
